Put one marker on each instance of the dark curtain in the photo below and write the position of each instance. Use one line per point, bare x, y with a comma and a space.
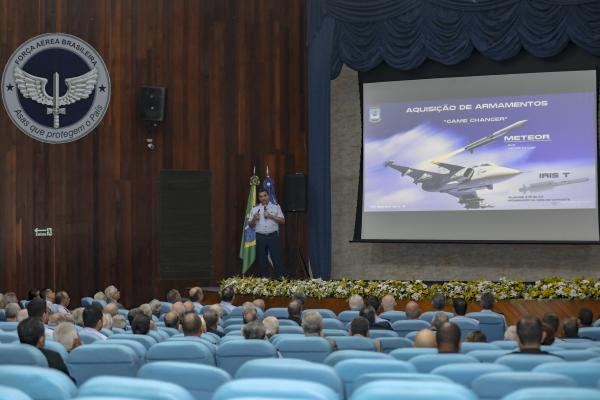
404, 33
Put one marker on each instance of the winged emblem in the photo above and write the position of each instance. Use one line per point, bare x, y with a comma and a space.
34, 88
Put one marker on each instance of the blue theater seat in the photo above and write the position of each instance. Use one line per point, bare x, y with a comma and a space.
200, 380
488, 356
156, 336
526, 362
39, 383
389, 344
138, 348
284, 330
8, 337
355, 343
341, 355
100, 303
57, 347
87, 337
274, 389
133, 388
334, 332
233, 321
309, 348
86, 301
287, 322
585, 374
466, 347
325, 313
8, 326
106, 332
125, 313
402, 328
9, 393
491, 324
565, 345
332, 323
398, 376
406, 390
465, 374
506, 344
428, 362
170, 331
235, 313
233, 328
407, 353
119, 330
280, 368
21, 354
165, 307
592, 333
228, 338
393, 316
576, 355
196, 352
465, 326
496, 385
146, 340
231, 355
346, 316
2, 315
277, 312
411, 335
350, 370
554, 394
428, 315
91, 360
382, 333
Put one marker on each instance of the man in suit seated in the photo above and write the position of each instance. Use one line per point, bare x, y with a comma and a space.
192, 325
254, 330
38, 308
448, 338
360, 327
211, 318
92, 321
295, 311
460, 309
487, 302
368, 313
31, 331
529, 335
412, 310
312, 324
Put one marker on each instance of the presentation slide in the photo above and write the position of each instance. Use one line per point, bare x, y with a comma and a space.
452, 153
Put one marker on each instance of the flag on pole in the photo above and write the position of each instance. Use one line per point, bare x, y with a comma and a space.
248, 244
269, 186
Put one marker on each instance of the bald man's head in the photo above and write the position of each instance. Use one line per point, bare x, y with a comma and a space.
172, 320
178, 308
448, 338
413, 311
425, 338
388, 303
188, 306
192, 325
112, 309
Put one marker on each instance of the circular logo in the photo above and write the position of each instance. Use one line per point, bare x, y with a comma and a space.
56, 88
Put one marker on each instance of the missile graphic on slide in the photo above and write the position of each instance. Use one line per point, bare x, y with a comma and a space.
490, 138
543, 186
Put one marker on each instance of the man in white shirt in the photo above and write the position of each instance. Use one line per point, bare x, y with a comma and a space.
61, 302
92, 321
265, 220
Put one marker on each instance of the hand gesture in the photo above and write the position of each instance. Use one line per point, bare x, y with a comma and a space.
256, 216
267, 214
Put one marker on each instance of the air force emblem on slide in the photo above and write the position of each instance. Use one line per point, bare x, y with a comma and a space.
56, 88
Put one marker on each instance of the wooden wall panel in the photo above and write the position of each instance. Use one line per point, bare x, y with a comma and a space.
236, 75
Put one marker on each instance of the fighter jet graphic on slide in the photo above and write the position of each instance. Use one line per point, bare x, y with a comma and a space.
460, 181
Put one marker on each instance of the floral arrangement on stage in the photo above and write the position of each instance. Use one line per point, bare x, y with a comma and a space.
504, 289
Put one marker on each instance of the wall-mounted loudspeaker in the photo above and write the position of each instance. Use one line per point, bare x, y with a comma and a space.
295, 192
153, 103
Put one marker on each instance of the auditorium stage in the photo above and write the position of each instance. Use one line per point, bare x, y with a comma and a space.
512, 309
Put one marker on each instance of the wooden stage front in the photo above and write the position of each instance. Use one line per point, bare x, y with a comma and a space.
512, 309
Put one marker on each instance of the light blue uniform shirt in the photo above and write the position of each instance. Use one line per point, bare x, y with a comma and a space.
266, 225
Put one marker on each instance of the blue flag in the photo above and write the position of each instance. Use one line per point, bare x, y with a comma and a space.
269, 186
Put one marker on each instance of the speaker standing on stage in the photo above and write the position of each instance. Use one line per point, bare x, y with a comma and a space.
265, 219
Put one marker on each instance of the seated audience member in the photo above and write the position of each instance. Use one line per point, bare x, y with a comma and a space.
179, 308
11, 297
249, 312
172, 320
22, 314
376, 304
460, 309
487, 302
134, 312
553, 321
368, 313
312, 324
192, 325
259, 303
438, 302
218, 309
254, 330
227, 295
295, 311
447, 338
140, 324
272, 326
67, 335
476, 336
107, 321
188, 307
412, 310
145, 308
31, 331
439, 318
586, 317
48, 295
548, 335
100, 296
56, 319
11, 312
196, 296
388, 303
211, 318
33, 294
511, 333
529, 334
155, 307
112, 309
38, 308
299, 296
570, 328
356, 302
92, 321
360, 327
113, 295
77, 315
173, 296
119, 321
425, 338
61, 303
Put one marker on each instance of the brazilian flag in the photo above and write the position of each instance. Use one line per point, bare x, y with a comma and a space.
248, 245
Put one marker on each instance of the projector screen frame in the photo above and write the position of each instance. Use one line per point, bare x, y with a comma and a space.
526, 64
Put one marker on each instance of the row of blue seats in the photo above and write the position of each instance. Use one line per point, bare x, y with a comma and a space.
354, 379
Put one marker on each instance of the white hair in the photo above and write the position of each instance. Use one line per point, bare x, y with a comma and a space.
65, 334
272, 326
119, 321
356, 302
511, 333
110, 291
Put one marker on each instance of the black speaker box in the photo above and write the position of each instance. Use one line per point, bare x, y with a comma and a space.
295, 192
153, 102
